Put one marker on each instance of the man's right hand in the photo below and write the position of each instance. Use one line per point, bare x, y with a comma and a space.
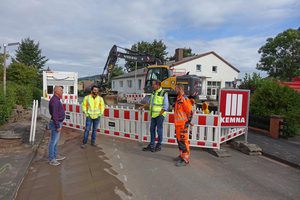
141, 107
58, 130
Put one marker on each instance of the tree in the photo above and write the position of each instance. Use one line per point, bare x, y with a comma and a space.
156, 48
22, 74
30, 54
186, 53
251, 83
281, 55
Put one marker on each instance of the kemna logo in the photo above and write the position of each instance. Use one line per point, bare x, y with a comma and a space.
233, 109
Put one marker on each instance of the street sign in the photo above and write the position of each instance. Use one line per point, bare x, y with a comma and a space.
234, 107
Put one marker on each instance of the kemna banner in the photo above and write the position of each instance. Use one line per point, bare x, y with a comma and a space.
234, 107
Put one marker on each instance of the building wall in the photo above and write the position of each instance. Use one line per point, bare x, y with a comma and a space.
135, 87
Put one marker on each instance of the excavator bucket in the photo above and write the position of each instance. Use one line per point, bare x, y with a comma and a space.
110, 99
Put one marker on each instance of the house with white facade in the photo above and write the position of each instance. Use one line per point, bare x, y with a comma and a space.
215, 72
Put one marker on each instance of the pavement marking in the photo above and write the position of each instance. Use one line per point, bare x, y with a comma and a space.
121, 165
4, 167
125, 178
116, 149
118, 156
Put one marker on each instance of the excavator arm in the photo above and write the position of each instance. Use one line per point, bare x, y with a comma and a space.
113, 56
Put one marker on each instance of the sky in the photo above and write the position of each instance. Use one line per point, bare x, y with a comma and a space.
77, 35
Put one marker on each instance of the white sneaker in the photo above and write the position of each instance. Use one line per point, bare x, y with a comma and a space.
60, 158
54, 162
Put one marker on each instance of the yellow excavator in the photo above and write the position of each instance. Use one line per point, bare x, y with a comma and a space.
109, 97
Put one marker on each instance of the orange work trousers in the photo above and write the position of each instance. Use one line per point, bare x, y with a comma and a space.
183, 143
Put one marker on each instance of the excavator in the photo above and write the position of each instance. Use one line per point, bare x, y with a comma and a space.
114, 54
192, 83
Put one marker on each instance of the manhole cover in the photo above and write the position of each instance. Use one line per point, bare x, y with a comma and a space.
9, 135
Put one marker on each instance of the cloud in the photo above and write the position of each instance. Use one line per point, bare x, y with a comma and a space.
77, 35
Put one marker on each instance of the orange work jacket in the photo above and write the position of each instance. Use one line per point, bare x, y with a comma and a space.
183, 110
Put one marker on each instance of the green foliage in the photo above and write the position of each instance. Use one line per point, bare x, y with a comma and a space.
22, 74
281, 55
274, 99
36, 93
23, 95
156, 48
30, 54
251, 83
186, 53
7, 103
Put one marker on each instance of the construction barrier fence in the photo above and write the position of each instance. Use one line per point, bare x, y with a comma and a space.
135, 125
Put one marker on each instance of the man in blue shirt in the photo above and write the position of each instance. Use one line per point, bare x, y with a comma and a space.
57, 113
158, 106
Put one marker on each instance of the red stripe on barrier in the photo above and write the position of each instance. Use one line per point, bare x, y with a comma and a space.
75, 97
127, 135
234, 134
136, 137
189, 142
171, 140
49, 97
71, 125
156, 139
71, 97
229, 136
116, 114
106, 113
117, 133
214, 144
215, 121
66, 97
171, 118
64, 123
136, 116
145, 138
202, 120
61, 97
77, 109
106, 131
71, 108
84, 128
77, 126
64, 105
240, 132
145, 117
223, 139
201, 143
126, 115
98, 130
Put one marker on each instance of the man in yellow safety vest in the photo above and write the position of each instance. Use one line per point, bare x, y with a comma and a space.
158, 106
93, 108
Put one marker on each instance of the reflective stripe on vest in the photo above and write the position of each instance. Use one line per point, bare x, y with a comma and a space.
93, 107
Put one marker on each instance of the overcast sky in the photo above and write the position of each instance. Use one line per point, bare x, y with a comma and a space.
77, 35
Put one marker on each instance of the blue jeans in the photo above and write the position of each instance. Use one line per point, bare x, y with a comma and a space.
54, 140
88, 124
156, 122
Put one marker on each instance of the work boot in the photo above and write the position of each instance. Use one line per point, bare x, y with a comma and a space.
83, 144
93, 144
178, 158
148, 148
156, 148
182, 163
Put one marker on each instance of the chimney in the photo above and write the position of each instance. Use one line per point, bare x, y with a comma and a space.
178, 54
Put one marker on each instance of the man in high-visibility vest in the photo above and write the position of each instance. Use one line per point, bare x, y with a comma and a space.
93, 108
158, 106
183, 118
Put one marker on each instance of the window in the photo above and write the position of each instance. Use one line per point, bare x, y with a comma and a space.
214, 69
198, 68
140, 84
121, 83
129, 83
70, 89
164, 74
227, 84
113, 84
50, 89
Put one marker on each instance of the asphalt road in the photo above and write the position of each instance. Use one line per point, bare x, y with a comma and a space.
150, 175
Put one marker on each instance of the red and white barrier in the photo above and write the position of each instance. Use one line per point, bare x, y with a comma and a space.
135, 125
68, 98
135, 98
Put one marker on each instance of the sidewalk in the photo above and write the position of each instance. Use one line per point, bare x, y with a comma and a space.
285, 151
15, 162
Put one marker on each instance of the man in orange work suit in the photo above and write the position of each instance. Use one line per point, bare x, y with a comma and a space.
183, 118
